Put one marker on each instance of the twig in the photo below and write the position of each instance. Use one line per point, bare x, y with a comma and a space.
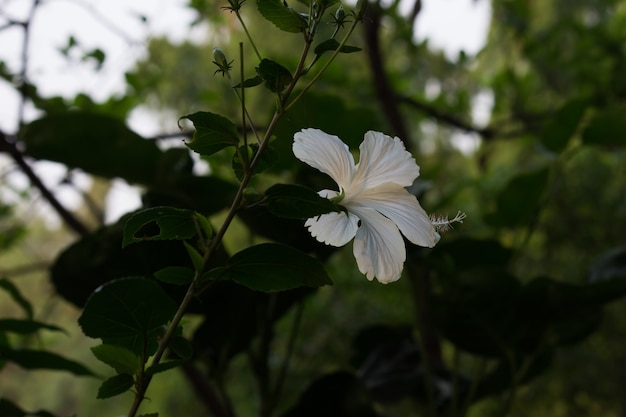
10, 148
440, 116
382, 86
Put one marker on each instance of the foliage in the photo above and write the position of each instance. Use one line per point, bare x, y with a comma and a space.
216, 276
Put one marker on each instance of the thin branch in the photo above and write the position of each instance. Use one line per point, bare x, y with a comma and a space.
440, 116
9, 147
382, 86
23, 75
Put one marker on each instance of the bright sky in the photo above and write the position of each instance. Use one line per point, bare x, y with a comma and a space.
115, 27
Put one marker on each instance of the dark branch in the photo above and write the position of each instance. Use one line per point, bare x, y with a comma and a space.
382, 87
9, 147
442, 117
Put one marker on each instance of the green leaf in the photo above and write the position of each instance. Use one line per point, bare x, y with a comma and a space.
165, 366
607, 127
96, 143
213, 133
194, 255
17, 296
8, 409
181, 346
267, 159
40, 359
127, 307
519, 199
159, 223
274, 267
119, 358
250, 82
332, 45
297, 202
25, 326
563, 125
205, 224
282, 16
115, 385
178, 275
276, 76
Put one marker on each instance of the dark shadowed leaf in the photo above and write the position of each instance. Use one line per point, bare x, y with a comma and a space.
519, 199
338, 394
159, 223
297, 202
128, 307
17, 296
96, 143
276, 77
165, 366
40, 359
9, 409
178, 275
266, 160
562, 126
181, 347
273, 267
282, 16
25, 326
250, 82
332, 45
607, 127
115, 385
213, 133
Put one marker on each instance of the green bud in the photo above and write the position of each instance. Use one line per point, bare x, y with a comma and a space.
340, 15
219, 59
361, 7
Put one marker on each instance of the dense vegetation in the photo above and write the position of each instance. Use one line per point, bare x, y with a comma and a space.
216, 288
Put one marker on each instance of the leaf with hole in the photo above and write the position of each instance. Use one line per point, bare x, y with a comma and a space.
159, 223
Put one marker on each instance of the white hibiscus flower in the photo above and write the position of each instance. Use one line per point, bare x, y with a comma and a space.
372, 191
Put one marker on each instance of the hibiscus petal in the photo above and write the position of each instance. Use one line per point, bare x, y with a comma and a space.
398, 205
326, 153
383, 159
378, 247
335, 229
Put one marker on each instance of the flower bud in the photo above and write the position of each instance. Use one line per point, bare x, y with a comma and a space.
219, 59
340, 15
361, 7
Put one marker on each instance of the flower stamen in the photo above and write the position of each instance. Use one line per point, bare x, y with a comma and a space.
442, 224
